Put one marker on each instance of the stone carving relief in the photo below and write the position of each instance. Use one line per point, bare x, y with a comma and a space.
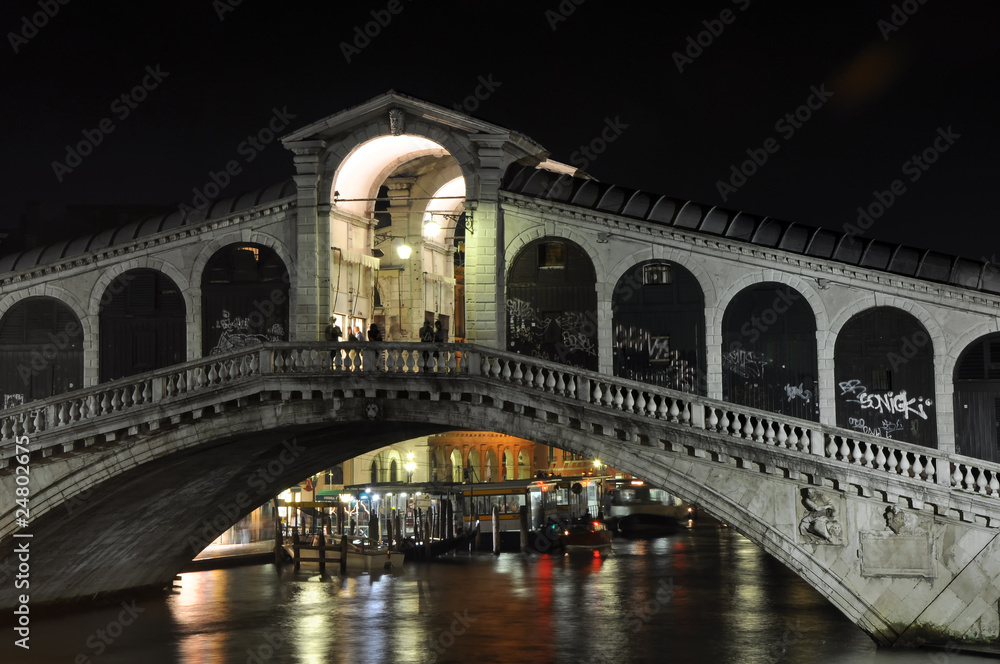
397, 122
820, 524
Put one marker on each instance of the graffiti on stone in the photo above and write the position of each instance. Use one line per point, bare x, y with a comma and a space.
745, 363
237, 332
797, 392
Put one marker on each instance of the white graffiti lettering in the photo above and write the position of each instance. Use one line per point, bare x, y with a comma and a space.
794, 391
894, 404
852, 386
746, 363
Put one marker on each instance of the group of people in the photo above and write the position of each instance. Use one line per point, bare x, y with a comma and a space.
334, 333
427, 333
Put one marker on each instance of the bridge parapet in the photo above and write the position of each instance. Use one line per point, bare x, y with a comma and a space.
51, 423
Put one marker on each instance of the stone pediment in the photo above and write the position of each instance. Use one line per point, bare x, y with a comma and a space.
378, 108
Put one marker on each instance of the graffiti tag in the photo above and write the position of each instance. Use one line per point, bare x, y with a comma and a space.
796, 391
745, 363
894, 404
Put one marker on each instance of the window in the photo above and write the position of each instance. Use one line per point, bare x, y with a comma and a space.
551, 255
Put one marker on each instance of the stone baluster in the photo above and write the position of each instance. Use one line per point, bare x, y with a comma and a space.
506, 374
880, 459
793, 438
917, 468
758, 431
981, 482
868, 456
891, 461
994, 484
640, 402
769, 434
674, 411
723, 421
529, 376
662, 411
608, 399
540, 379
571, 387
518, 375
651, 405
713, 420
550, 381
629, 403
782, 436
597, 395
904, 464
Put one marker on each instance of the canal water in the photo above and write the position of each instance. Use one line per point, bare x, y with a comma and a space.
703, 595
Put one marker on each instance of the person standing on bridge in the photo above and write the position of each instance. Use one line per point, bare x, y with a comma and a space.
333, 331
426, 336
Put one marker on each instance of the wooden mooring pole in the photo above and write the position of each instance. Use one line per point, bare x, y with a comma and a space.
496, 530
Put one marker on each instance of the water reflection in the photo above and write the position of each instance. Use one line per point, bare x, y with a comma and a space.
703, 595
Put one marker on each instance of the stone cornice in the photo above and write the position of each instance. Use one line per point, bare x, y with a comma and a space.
946, 295
141, 246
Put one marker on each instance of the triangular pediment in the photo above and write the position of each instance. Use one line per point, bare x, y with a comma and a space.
378, 108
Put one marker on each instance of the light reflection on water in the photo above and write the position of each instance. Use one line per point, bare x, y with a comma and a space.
704, 595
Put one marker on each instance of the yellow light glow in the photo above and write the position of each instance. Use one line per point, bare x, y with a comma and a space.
404, 251
363, 170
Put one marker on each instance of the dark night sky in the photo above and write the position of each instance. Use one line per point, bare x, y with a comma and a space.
558, 86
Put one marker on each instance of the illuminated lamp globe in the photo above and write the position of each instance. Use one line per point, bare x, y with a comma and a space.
404, 251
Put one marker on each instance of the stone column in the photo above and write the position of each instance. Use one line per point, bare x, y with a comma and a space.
311, 245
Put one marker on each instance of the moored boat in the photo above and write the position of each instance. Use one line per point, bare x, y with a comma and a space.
638, 511
586, 535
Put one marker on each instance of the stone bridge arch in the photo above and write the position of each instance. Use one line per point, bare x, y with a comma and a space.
196, 462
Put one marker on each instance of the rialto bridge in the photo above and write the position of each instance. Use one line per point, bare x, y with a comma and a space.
833, 397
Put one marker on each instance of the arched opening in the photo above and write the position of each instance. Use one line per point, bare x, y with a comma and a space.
456, 466
393, 472
977, 398
393, 185
884, 369
475, 471
373, 470
659, 326
142, 324
244, 294
769, 351
490, 470
41, 350
523, 468
552, 303
508, 465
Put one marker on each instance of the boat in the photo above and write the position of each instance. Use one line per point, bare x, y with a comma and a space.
374, 560
585, 535
638, 511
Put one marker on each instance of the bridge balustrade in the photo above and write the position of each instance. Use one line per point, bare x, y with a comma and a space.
60, 414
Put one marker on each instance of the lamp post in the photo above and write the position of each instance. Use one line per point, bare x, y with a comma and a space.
410, 466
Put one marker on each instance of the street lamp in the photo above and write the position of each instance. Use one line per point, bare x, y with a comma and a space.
410, 466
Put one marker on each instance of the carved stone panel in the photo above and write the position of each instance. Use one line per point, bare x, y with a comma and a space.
888, 554
820, 515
